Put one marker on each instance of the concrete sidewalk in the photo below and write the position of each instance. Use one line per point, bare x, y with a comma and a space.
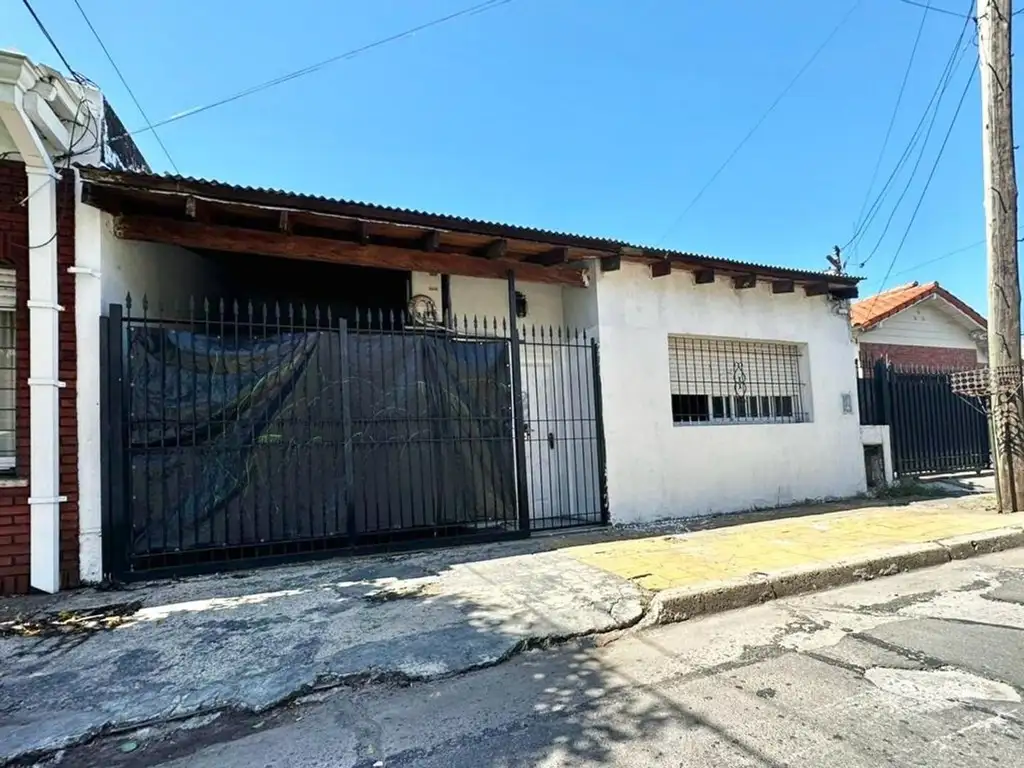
76, 664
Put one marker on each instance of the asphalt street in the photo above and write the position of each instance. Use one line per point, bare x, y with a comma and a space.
921, 669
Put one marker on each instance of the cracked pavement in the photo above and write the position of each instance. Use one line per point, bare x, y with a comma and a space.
920, 669
252, 641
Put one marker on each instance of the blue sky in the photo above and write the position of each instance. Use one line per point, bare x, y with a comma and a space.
602, 117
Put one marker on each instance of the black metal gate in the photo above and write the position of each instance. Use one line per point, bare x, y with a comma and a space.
241, 434
932, 429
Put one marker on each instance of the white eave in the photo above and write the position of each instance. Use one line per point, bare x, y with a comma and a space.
41, 96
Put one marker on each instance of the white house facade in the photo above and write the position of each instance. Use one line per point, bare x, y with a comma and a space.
259, 375
746, 351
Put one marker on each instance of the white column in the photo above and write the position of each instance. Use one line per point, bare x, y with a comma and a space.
88, 308
44, 313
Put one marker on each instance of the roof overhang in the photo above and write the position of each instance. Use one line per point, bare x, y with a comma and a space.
196, 213
947, 303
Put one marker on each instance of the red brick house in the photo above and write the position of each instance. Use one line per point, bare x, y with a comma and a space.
915, 325
48, 125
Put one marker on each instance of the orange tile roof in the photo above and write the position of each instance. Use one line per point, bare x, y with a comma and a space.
874, 309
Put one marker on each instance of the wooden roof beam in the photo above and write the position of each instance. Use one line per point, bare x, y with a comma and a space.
816, 289
783, 286
611, 263
431, 241
742, 282
271, 243
496, 249
550, 258
661, 268
704, 277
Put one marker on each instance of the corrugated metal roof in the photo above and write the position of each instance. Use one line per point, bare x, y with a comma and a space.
284, 198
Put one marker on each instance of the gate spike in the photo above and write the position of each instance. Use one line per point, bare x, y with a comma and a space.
145, 304
128, 301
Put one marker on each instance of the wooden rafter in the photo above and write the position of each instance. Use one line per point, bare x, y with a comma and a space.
238, 240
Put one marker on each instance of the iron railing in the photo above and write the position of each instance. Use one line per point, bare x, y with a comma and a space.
244, 432
932, 428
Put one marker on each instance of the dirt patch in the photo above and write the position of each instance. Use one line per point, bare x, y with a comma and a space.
61, 623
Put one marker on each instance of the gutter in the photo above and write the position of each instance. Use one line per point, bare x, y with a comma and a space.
25, 96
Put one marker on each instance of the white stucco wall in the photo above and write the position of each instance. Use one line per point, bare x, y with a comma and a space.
166, 274
657, 469
106, 269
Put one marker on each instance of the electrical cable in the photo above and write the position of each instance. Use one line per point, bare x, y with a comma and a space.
892, 121
945, 78
127, 87
49, 37
764, 116
351, 54
946, 255
928, 181
913, 174
946, 11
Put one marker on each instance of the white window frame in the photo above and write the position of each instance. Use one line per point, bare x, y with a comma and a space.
8, 304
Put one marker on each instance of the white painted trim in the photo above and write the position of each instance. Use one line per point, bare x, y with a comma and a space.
36, 304
47, 123
44, 433
88, 308
85, 272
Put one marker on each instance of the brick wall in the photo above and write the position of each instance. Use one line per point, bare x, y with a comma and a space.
935, 358
14, 489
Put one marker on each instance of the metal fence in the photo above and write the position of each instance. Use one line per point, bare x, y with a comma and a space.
932, 428
242, 433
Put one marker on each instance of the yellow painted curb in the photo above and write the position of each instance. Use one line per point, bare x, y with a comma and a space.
682, 603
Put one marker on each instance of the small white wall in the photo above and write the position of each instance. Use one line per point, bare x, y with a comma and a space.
166, 274
487, 297
659, 470
879, 434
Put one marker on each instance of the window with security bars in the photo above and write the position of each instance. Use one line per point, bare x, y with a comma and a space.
8, 376
724, 381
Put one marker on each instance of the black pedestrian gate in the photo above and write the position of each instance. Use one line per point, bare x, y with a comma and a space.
932, 429
252, 434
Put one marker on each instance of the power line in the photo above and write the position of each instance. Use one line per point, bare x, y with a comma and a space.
928, 181
351, 54
913, 171
761, 119
892, 121
940, 89
930, 7
127, 87
49, 37
946, 255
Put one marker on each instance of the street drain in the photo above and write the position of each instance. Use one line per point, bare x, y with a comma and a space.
936, 685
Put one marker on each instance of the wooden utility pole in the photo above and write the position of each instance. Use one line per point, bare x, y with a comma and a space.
1004, 338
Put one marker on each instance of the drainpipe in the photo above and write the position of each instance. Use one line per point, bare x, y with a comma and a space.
44, 313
